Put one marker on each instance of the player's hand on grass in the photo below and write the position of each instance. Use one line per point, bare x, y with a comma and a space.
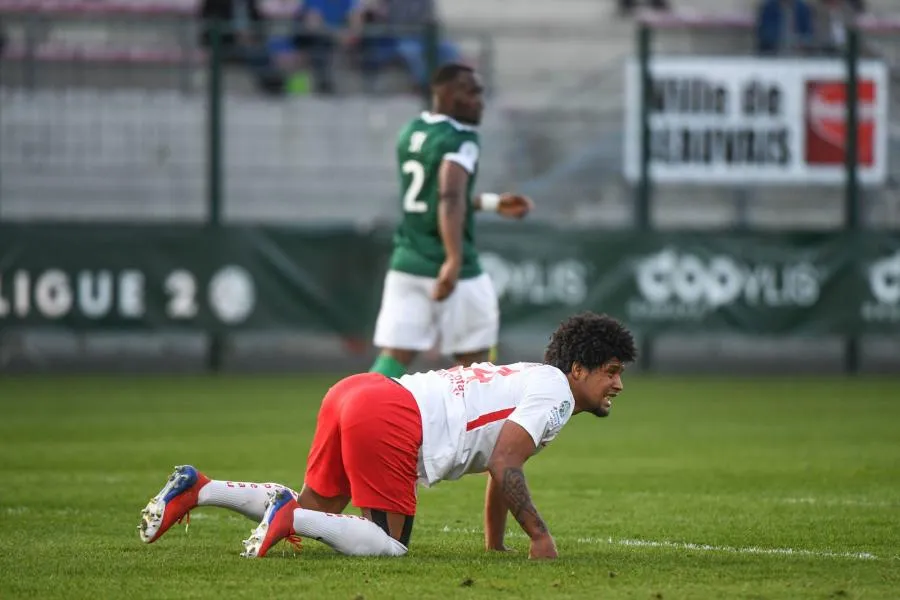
446, 280
497, 547
543, 547
514, 206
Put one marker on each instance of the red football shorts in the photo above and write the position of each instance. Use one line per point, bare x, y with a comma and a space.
366, 444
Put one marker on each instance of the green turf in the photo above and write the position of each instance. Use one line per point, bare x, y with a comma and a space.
752, 468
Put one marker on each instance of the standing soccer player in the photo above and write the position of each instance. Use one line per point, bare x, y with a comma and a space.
435, 290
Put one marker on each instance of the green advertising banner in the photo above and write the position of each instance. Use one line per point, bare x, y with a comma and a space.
753, 283
878, 267
658, 282
189, 277
329, 280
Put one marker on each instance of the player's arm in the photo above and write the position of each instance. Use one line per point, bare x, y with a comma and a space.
495, 511
453, 180
512, 206
514, 446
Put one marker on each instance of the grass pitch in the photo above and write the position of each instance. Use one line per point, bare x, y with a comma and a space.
694, 488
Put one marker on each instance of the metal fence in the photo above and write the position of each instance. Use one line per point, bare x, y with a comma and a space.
128, 92
128, 96
112, 115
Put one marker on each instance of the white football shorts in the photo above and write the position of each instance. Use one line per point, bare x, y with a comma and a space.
409, 319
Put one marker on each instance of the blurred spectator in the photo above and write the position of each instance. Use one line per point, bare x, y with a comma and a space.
408, 45
323, 24
784, 26
243, 39
830, 19
626, 7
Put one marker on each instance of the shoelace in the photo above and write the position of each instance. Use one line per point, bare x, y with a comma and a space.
296, 541
187, 518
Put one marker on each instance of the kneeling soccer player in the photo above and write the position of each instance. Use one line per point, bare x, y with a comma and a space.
377, 437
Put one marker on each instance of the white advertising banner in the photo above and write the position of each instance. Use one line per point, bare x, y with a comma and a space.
755, 121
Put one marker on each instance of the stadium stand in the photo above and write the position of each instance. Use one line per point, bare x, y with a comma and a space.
554, 128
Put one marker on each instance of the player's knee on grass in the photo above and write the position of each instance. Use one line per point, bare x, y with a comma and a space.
396, 525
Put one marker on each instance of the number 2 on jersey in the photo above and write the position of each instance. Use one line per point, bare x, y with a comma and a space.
411, 202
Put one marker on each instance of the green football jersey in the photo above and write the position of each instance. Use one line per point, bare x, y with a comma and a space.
423, 144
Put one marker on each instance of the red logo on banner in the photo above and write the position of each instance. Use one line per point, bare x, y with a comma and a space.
826, 122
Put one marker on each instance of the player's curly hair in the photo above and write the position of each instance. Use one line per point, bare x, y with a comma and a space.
590, 340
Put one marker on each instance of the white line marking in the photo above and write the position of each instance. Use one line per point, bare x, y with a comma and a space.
610, 541
840, 502
811, 500
729, 549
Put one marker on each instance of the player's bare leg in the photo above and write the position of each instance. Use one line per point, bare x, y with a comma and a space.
347, 534
396, 525
312, 500
393, 362
467, 358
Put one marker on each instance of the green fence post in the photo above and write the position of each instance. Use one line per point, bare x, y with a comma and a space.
216, 342
642, 208
31, 42
851, 199
642, 219
431, 37
214, 123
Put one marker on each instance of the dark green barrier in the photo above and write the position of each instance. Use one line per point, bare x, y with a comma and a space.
87, 277
808, 283
155, 277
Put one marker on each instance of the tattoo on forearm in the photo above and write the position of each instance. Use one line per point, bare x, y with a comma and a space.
515, 491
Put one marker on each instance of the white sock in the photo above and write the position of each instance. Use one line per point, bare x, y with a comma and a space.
249, 499
348, 534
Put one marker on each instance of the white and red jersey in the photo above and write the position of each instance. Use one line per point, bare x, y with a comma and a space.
463, 410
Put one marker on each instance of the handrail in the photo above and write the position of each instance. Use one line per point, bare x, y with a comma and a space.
697, 20
103, 54
147, 8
